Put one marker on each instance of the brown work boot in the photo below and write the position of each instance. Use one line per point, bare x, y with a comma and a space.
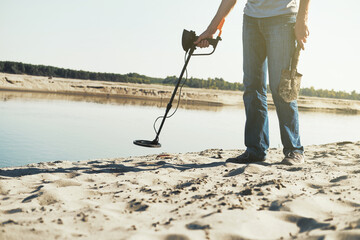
293, 158
245, 158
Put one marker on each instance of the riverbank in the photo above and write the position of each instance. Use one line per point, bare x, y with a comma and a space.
156, 93
185, 196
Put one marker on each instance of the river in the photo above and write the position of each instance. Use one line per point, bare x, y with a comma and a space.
37, 127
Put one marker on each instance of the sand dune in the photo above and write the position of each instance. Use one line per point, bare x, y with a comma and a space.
186, 196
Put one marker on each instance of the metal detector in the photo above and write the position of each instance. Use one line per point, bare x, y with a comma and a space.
188, 39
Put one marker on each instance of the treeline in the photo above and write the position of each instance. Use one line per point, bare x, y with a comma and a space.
216, 83
49, 71
311, 92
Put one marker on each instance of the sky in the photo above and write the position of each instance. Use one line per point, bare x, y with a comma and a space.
143, 36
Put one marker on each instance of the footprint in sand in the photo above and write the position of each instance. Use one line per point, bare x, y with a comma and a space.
48, 198
249, 169
30, 198
277, 205
235, 172
257, 169
197, 226
306, 224
12, 211
4, 190
66, 183
294, 169
44, 197
73, 174
338, 179
176, 237
137, 206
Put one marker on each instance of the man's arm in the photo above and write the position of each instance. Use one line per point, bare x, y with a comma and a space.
301, 27
224, 9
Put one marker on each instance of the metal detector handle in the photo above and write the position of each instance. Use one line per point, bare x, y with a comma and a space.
212, 42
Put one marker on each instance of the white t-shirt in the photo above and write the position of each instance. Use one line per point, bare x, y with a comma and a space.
270, 8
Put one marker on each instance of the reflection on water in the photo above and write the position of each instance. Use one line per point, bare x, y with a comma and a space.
38, 127
14, 95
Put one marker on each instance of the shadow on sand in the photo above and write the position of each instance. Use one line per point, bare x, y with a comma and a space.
95, 167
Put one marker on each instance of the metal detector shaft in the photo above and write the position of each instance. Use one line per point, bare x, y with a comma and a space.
192, 49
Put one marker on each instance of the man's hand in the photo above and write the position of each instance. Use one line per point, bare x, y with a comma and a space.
301, 32
201, 41
224, 9
301, 28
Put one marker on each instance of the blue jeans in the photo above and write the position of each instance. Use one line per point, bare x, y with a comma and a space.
268, 44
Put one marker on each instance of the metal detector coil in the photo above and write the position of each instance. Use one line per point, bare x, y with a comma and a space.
146, 143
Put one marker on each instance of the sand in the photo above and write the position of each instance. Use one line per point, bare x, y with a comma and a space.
159, 93
179, 196
186, 196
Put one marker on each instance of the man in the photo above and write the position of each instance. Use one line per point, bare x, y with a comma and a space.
271, 29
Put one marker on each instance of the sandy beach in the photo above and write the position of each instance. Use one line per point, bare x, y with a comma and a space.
179, 196
186, 196
115, 123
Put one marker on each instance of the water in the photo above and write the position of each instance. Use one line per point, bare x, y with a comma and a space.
47, 127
